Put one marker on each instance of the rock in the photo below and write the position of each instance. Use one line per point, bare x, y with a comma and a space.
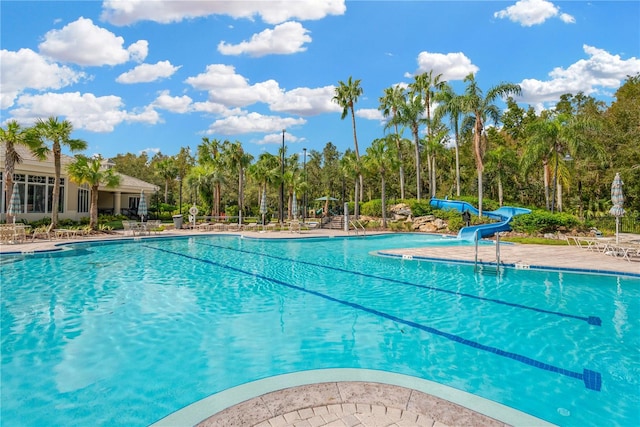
429, 227
439, 224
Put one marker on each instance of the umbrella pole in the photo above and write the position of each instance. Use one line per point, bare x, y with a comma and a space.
617, 228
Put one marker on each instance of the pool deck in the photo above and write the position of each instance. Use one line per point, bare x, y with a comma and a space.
373, 403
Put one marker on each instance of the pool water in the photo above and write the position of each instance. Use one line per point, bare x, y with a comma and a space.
125, 333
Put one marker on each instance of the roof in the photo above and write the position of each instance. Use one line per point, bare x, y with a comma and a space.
31, 164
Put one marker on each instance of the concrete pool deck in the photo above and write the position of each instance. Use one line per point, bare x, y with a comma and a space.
373, 400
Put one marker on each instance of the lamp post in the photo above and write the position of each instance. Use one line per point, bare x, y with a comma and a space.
281, 216
304, 195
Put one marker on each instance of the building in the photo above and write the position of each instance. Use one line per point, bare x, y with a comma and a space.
35, 179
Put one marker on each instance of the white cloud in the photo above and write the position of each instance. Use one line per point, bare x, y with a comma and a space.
307, 101
276, 138
370, 114
139, 50
452, 66
284, 39
175, 104
145, 73
83, 43
600, 70
227, 87
533, 12
252, 122
25, 69
272, 12
84, 111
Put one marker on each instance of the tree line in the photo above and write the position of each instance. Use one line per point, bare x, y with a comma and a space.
435, 142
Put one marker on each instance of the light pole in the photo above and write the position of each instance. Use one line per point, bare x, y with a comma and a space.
304, 195
281, 216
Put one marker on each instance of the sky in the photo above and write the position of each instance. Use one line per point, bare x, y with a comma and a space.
155, 75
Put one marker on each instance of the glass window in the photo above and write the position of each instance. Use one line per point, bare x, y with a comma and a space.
83, 198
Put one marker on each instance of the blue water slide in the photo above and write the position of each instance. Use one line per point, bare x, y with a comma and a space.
504, 215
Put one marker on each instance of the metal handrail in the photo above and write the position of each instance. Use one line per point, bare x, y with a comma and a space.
356, 229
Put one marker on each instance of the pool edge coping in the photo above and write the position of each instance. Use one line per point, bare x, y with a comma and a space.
206, 407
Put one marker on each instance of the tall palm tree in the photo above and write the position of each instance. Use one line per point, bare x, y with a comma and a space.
59, 134
13, 136
480, 108
501, 160
265, 172
350, 168
381, 160
237, 160
90, 171
410, 114
551, 136
426, 86
346, 95
393, 98
451, 105
210, 156
166, 169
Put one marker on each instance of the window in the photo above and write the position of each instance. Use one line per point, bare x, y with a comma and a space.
51, 180
36, 190
83, 198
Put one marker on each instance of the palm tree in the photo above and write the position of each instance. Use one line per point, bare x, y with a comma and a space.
480, 108
550, 137
210, 156
393, 98
14, 135
59, 133
501, 160
168, 171
451, 105
90, 171
346, 95
237, 160
380, 160
425, 85
350, 168
265, 172
410, 114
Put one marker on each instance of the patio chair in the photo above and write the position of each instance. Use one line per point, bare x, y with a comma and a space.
43, 231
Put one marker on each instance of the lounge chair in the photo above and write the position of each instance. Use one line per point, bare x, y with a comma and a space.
42, 232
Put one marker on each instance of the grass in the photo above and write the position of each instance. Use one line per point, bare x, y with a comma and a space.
535, 241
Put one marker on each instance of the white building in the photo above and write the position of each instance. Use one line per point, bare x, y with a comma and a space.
35, 179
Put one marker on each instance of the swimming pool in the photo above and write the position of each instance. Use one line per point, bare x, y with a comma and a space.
124, 333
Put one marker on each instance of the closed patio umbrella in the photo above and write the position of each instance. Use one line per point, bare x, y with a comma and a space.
294, 206
617, 198
142, 206
263, 204
15, 205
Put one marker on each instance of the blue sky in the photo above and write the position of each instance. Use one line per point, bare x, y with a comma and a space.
146, 75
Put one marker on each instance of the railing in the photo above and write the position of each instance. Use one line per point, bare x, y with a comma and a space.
357, 226
475, 264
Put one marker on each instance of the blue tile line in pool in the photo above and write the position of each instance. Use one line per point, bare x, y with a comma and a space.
592, 380
592, 320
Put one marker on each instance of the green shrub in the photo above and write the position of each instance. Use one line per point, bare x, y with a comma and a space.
419, 207
372, 208
542, 221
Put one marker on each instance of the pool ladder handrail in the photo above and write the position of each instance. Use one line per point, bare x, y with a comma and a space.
475, 264
357, 226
